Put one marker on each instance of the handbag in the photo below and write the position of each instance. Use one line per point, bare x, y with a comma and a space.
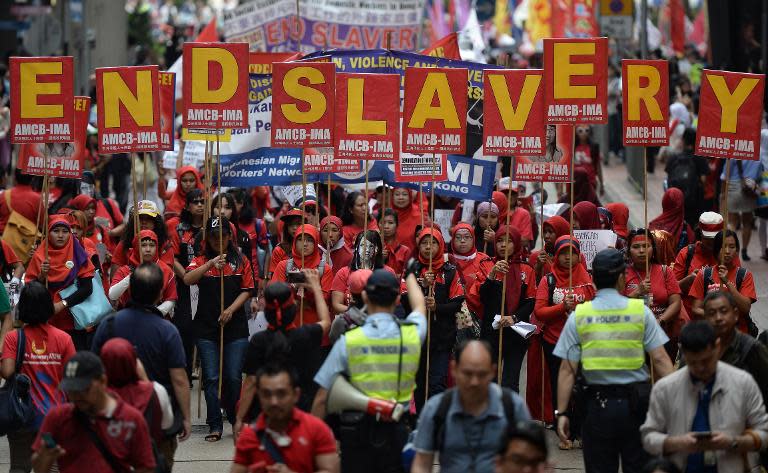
467, 324
16, 408
89, 313
748, 185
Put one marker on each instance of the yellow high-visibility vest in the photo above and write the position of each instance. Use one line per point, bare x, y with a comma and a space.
611, 339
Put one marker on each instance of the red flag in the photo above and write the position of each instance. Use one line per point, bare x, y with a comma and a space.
208, 34
446, 47
677, 25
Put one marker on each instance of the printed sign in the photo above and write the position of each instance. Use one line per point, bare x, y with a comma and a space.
513, 120
730, 114
576, 80
322, 161
420, 168
367, 116
592, 242
555, 164
167, 109
42, 100
215, 85
303, 102
128, 100
446, 47
435, 110
645, 106
62, 159
222, 135
261, 63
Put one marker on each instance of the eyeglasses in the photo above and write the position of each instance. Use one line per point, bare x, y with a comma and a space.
462, 237
197, 202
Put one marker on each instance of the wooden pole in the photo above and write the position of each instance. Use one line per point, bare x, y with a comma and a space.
570, 247
146, 163
648, 247
421, 203
365, 219
135, 197
431, 289
500, 361
223, 251
303, 209
46, 198
207, 185
329, 194
725, 214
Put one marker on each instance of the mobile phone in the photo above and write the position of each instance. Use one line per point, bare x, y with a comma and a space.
48, 440
702, 435
296, 277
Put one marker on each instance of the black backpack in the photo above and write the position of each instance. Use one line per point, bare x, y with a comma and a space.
684, 175
438, 420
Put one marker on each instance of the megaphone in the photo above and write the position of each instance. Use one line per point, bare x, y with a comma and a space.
343, 396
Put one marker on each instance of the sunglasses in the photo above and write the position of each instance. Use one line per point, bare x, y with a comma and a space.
197, 202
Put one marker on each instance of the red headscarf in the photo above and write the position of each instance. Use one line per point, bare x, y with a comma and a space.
66, 263
332, 219
437, 259
81, 202
501, 201
513, 275
312, 260
620, 213
119, 358
408, 218
464, 226
178, 200
559, 225
134, 256
587, 215
580, 274
672, 219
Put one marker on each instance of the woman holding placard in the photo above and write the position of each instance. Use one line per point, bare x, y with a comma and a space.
470, 263
486, 224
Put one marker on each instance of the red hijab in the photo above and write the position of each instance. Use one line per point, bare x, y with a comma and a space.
408, 218
438, 259
67, 263
119, 358
501, 201
332, 219
587, 215
312, 260
464, 226
672, 218
620, 213
580, 274
81, 202
178, 200
559, 225
513, 278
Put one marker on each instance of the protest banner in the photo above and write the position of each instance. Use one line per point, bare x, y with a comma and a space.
730, 114
435, 110
420, 167
261, 63
645, 109
303, 99
367, 116
576, 80
466, 178
63, 159
555, 164
265, 167
592, 242
323, 161
128, 100
446, 47
42, 100
167, 109
215, 85
514, 121
221, 135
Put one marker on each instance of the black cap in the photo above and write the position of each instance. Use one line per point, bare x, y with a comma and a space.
383, 281
80, 371
609, 260
212, 228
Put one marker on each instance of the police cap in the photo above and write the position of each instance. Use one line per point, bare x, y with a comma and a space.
610, 261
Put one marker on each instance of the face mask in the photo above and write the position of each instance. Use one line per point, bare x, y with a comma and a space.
87, 189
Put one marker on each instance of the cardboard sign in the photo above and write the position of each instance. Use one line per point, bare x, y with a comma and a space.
555, 164
42, 100
261, 63
645, 106
294, 195
446, 47
128, 101
167, 109
576, 80
303, 102
435, 110
62, 159
215, 85
194, 154
730, 114
421, 167
322, 161
367, 116
592, 242
513, 106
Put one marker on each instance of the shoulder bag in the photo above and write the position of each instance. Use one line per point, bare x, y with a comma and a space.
16, 408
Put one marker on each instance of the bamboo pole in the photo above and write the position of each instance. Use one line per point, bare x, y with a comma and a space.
725, 214
570, 247
222, 251
648, 247
365, 218
303, 209
431, 289
500, 361
135, 198
46, 199
146, 163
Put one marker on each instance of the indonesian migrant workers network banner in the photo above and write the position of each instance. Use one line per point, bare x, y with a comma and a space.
269, 25
247, 160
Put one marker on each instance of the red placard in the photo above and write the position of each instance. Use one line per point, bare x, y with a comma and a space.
555, 164
128, 101
513, 112
645, 106
261, 63
576, 80
302, 104
62, 159
420, 167
42, 100
435, 110
367, 116
215, 85
167, 109
730, 114
447, 47
322, 160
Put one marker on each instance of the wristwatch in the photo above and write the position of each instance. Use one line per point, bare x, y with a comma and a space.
561, 414
64, 303
734, 443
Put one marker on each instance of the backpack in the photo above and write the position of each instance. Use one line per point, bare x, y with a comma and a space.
441, 414
684, 175
20, 232
291, 266
741, 273
689, 258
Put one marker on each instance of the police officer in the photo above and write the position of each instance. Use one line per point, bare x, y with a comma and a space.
380, 358
609, 336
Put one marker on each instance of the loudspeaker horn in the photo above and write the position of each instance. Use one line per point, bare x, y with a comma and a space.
344, 397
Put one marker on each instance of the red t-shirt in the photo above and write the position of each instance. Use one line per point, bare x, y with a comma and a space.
45, 351
583, 159
103, 217
278, 255
663, 284
397, 256
326, 280
9, 254
309, 435
169, 286
698, 291
120, 256
350, 232
699, 261
124, 433
340, 282
554, 316
24, 200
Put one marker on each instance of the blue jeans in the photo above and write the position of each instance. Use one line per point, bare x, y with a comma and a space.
234, 354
